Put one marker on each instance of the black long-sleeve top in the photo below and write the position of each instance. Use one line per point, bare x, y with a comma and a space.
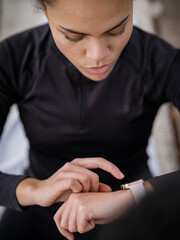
66, 115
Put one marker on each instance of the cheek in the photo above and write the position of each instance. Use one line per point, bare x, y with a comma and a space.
62, 46
124, 41
68, 49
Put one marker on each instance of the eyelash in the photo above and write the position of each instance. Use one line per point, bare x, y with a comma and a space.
73, 40
110, 34
119, 33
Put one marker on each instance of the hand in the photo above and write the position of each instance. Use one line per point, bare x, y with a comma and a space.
82, 211
74, 176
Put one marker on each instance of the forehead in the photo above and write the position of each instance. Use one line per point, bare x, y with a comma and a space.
89, 15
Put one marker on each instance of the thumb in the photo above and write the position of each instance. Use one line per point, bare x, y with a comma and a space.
104, 188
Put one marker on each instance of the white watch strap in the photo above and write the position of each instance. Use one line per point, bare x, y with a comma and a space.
138, 191
137, 188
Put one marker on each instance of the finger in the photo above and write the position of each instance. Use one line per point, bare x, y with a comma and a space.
82, 177
104, 188
67, 184
92, 163
66, 233
58, 214
84, 222
70, 183
93, 177
65, 217
73, 220
57, 219
64, 197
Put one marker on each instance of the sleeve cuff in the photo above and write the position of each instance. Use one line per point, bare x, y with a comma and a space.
168, 180
12, 199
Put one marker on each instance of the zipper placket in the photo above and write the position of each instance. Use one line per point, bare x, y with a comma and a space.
82, 100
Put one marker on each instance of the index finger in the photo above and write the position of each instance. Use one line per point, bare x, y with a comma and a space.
99, 162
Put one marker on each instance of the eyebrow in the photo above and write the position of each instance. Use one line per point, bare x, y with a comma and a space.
118, 25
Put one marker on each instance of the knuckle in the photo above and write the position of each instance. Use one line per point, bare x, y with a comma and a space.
73, 197
72, 228
75, 160
71, 181
76, 200
55, 217
82, 209
62, 225
61, 174
67, 165
81, 230
85, 179
95, 177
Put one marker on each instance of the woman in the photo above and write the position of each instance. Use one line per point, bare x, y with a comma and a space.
88, 86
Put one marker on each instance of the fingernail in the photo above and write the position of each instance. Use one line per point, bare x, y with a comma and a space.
121, 174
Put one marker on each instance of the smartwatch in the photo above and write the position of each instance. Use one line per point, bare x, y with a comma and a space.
137, 189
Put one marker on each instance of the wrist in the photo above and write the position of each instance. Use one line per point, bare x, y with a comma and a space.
148, 188
137, 188
123, 201
127, 196
26, 192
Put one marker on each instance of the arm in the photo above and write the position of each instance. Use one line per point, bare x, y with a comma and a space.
8, 97
83, 210
168, 180
74, 177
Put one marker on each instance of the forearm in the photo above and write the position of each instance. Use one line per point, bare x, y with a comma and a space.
8, 184
123, 200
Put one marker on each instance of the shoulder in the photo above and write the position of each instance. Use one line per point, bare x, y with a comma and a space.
20, 55
31, 42
148, 49
35, 35
153, 63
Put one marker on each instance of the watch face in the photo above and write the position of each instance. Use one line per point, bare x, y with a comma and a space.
125, 186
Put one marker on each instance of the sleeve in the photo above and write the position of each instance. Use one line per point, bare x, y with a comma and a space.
168, 181
161, 71
173, 82
8, 97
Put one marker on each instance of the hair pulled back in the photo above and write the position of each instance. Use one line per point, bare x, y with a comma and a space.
42, 3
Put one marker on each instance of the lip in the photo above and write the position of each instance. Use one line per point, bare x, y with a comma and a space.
99, 70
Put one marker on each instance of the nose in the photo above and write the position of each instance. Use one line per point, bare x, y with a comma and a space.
97, 50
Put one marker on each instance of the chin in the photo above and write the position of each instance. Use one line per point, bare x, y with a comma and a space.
96, 78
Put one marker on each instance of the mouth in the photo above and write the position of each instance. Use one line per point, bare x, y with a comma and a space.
99, 70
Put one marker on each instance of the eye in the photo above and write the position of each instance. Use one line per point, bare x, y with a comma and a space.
73, 39
115, 33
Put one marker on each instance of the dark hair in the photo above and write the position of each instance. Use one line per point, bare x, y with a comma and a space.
42, 3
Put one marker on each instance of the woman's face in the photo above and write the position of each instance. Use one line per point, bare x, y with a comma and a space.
91, 33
